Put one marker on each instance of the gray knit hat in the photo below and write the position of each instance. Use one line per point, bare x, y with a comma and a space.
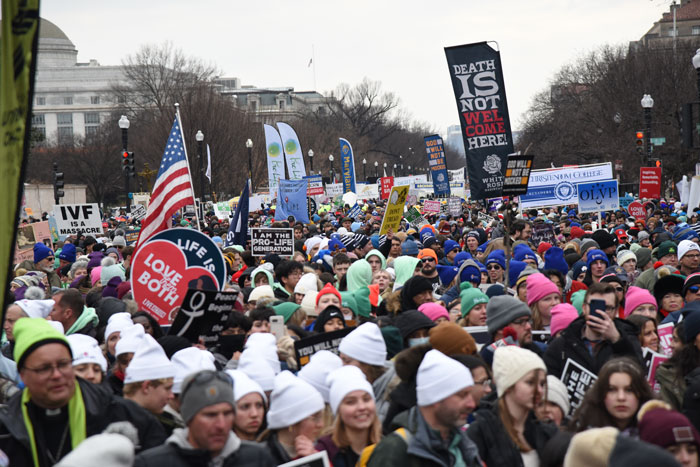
588, 243
203, 389
642, 235
503, 310
643, 257
118, 241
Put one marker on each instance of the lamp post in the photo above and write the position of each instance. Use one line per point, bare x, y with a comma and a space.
401, 165
376, 169
330, 159
394, 170
696, 65
124, 125
385, 169
200, 142
409, 170
249, 145
364, 169
647, 104
311, 161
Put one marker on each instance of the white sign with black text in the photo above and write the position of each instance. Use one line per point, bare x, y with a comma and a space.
73, 219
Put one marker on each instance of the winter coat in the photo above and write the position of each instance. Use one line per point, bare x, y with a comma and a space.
570, 345
496, 447
672, 387
691, 397
382, 387
276, 450
101, 409
339, 457
423, 448
178, 452
29, 265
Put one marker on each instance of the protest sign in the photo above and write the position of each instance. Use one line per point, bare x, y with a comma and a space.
652, 360
291, 201
334, 189
306, 347
355, 212
347, 166
484, 218
480, 334
480, 93
517, 175
543, 233
454, 206
650, 182
72, 219
170, 263
636, 210
319, 459
367, 191
315, 186
27, 236
131, 236
413, 216
311, 206
386, 184
598, 196
557, 186
394, 209
437, 163
203, 315
541, 336
271, 241
577, 380
138, 212
431, 206
665, 332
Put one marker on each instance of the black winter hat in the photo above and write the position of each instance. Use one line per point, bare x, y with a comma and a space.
604, 239
330, 312
413, 287
411, 321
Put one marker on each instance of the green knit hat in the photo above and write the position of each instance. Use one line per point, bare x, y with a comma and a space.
363, 304
577, 300
470, 298
286, 309
32, 333
349, 301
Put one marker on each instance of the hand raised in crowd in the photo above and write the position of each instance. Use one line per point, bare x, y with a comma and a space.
603, 325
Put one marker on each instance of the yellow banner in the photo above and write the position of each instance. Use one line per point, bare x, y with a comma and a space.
394, 209
18, 45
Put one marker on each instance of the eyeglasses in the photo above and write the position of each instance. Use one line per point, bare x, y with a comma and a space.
521, 321
491, 267
692, 256
428, 260
619, 289
44, 371
204, 377
609, 309
485, 383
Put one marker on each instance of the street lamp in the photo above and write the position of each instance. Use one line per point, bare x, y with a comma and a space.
249, 145
124, 125
401, 165
376, 169
364, 168
330, 158
385, 169
311, 161
696, 65
647, 104
394, 169
200, 142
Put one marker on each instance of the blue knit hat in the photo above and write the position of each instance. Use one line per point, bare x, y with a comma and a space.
461, 257
578, 268
446, 273
516, 267
683, 232
67, 253
470, 273
554, 259
409, 248
521, 252
497, 256
482, 248
450, 245
595, 255
41, 251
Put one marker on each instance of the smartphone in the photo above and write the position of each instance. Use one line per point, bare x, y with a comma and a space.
597, 308
277, 326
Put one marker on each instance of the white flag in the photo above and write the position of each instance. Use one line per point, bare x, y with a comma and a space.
208, 172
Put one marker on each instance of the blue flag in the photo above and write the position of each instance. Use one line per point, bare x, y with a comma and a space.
238, 230
347, 166
291, 201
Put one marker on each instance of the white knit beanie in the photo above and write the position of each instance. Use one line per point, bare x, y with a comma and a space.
149, 363
292, 400
259, 352
440, 376
510, 363
117, 323
129, 340
244, 385
557, 394
36, 308
105, 450
685, 246
262, 339
625, 255
316, 371
365, 344
345, 380
307, 283
308, 303
189, 361
263, 291
85, 349
259, 372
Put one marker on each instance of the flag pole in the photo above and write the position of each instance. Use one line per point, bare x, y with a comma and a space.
184, 146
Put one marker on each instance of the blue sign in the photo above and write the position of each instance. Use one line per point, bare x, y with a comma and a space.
291, 200
437, 163
347, 166
355, 212
598, 196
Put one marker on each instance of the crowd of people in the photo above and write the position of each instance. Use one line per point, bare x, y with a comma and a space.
460, 335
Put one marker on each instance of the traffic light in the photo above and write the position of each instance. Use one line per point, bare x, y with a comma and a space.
58, 184
640, 143
132, 168
125, 162
658, 163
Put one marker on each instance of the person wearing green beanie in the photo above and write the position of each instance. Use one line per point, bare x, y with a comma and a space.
362, 301
291, 313
473, 307
56, 411
577, 300
349, 306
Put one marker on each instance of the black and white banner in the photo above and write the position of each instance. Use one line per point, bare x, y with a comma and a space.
477, 80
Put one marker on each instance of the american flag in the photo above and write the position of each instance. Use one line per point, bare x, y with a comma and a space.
173, 187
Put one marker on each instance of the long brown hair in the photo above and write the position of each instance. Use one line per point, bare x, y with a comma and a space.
507, 418
340, 437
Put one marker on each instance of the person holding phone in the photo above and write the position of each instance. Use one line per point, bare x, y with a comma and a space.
596, 336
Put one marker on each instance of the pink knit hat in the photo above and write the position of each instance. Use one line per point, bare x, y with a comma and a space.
637, 296
538, 287
562, 315
434, 311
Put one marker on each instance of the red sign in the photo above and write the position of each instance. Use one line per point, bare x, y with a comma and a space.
636, 210
431, 206
650, 182
386, 184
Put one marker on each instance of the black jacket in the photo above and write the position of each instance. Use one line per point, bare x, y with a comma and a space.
101, 409
171, 455
570, 344
691, 397
496, 447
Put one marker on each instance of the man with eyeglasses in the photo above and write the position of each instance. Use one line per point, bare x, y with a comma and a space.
208, 409
287, 274
44, 261
56, 411
594, 338
688, 257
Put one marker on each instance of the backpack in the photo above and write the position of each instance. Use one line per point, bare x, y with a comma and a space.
369, 450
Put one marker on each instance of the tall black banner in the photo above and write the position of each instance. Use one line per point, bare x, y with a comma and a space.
477, 79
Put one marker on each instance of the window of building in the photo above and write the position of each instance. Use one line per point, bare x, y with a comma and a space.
281, 104
68, 100
672, 32
695, 31
38, 128
64, 119
92, 118
40, 101
65, 127
94, 100
38, 120
253, 106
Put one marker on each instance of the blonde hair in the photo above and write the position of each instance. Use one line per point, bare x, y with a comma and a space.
340, 437
132, 388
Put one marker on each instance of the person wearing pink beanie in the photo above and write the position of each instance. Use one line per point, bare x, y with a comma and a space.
436, 312
562, 315
640, 301
542, 295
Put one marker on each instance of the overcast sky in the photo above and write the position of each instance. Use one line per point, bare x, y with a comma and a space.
400, 43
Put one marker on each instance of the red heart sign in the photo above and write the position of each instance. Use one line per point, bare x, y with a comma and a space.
636, 210
160, 278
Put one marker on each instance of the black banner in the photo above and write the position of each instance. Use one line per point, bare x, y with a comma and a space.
543, 233
305, 348
477, 80
203, 315
271, 241
517, 175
